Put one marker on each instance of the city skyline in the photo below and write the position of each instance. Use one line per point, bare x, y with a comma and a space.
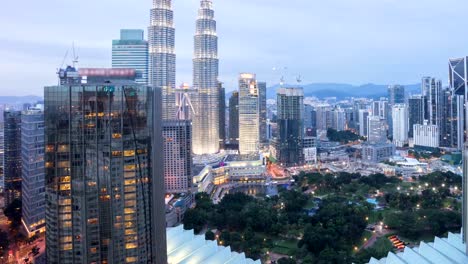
386, 45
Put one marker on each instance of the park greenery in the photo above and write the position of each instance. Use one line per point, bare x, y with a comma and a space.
342, 136
323, 218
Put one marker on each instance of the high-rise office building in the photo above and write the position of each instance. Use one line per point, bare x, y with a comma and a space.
32, 163
363, 128
380, 108
308, 116
234, 117
289, 143
416, 110
131, 51
249, 114
177, 135
448, 127
458, 81
396, 94
104, 170
222, 115
162, 57
400, 125
262, 93
205, 80
12, 155
434, 102
377, 129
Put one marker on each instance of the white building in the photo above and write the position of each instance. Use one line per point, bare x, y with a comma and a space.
339, 119
377, 129
426, 135
310, 150
400, 124
249, 114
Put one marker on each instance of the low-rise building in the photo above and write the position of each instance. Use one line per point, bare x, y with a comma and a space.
375, 153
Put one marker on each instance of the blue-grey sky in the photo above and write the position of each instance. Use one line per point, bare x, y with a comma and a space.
342, 41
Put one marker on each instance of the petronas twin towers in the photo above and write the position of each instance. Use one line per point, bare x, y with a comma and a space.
162, 62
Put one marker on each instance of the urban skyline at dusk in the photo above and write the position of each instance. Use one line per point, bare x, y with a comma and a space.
323, 42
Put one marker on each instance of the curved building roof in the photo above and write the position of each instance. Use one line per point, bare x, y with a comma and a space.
184, 247
449, 250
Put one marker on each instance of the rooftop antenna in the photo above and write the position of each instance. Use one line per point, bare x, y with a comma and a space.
75, 58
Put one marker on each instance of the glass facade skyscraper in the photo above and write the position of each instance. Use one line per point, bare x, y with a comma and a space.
234, 118
205, 80
162, 57
131, 51
32, 158
103, 160
289, 143
396, 94
12, 155
262, 90
222, 115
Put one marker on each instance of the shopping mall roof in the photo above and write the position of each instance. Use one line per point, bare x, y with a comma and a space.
449, 250
184, 247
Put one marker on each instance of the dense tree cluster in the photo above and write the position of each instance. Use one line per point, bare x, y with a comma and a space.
342, 136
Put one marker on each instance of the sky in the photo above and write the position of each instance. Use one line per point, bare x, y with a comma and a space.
337, 41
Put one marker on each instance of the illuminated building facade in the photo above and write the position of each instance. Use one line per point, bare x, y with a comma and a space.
249, 114
32, 163
103, 170
162, 57
205, 81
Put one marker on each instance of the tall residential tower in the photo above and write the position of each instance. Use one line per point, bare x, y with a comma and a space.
205, 80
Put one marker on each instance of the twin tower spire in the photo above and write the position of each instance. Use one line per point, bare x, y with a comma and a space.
162, 71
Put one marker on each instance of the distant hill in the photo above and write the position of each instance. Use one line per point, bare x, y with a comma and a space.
18, 100
342, 91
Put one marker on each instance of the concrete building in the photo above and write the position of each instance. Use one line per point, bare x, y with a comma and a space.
426, 135
375, 153
339, 119
32, 176
131, 51
400, 125
310, 150
205, 81
262, 93
104, 170
222, 115
12, 155
377, 129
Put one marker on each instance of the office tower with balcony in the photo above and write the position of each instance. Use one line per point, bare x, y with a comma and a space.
400, 125
131, 51
289, 143
205, 81
12, 155
162, 57
222, 115
32, 177
234, 118
104, 169
249, 114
